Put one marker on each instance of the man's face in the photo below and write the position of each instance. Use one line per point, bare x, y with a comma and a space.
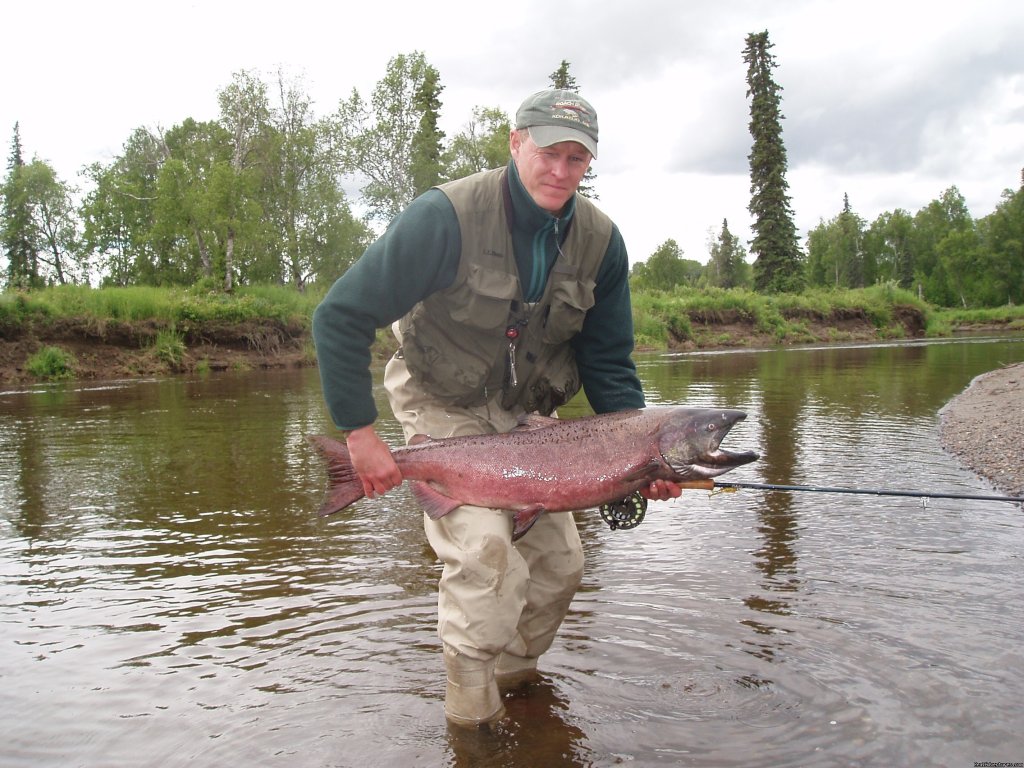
550, 174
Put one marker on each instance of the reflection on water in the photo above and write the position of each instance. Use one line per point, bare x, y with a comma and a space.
168, 598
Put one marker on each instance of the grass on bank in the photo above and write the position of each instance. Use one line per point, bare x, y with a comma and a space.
171, 306
690, 314
51, 364
660, 317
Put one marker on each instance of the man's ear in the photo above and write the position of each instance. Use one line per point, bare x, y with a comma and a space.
515, 141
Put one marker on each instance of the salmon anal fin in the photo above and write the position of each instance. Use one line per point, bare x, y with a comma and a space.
434, 503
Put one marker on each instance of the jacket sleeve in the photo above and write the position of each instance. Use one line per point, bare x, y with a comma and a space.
417, 255
604, 346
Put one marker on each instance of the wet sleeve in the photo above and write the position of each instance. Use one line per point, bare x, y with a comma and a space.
417, 255
604, 347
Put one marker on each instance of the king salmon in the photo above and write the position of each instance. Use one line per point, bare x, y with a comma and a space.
551, 465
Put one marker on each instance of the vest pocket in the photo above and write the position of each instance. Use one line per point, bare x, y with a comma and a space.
483, 301
570, 301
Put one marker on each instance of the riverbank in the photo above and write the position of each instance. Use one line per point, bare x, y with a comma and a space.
983, 427
117, 349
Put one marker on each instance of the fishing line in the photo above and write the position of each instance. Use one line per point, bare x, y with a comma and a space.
713, 485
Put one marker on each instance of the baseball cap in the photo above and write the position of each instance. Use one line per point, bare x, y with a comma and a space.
559, 115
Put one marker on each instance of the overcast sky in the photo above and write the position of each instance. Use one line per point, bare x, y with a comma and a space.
889, 101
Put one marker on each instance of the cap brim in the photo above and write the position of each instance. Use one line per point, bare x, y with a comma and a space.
546, 135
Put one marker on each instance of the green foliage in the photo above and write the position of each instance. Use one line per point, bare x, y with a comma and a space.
169, 346
664, 317
167, 306
17, 236
778, 266
665, 269
482, 144
728, 266
51, 364
425, 153
378, 139
659, 318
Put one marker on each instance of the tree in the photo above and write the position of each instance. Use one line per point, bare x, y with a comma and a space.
562, 80
666, 268
887, 241
835, 256
313, 230
186, 213
777, 266
22, 267
727, 267
425, 153
244, 112
378, 140
54, 224
939, 220
119, 212
1002, 233
482, 144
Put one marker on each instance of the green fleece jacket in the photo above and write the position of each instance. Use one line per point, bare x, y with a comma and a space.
419, 254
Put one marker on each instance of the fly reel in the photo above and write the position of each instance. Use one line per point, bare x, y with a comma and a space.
626, 514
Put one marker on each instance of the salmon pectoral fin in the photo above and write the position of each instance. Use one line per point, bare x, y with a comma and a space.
434, 503
642, 472
344, 486
524, 519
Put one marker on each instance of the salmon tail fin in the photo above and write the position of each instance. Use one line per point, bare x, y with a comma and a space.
344, 486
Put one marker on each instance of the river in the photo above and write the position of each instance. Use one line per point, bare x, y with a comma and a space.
169, 598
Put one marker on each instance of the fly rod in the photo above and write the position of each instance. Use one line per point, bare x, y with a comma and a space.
629, 513
712, 485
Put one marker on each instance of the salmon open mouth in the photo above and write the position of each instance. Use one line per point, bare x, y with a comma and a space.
717, 462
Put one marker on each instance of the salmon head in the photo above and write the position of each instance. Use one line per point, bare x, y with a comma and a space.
689, 441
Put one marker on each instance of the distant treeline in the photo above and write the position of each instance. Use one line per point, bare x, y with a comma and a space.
258, 196
941, 254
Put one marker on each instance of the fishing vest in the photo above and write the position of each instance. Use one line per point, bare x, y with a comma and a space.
478, 337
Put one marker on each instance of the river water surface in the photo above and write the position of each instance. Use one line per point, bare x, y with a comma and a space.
168, 597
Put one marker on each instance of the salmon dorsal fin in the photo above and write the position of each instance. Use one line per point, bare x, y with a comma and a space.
419, 439
531, 421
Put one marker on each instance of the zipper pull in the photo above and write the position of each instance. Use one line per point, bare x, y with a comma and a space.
512, 333
513, 379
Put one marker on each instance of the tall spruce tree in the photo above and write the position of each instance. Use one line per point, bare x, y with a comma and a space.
18, 241
778, 264
425, 153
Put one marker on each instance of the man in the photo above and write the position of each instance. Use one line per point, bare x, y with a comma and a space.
508, 292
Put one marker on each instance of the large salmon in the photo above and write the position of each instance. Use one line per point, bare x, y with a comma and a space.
551, 465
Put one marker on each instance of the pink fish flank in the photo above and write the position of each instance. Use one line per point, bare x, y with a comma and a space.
551, 465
